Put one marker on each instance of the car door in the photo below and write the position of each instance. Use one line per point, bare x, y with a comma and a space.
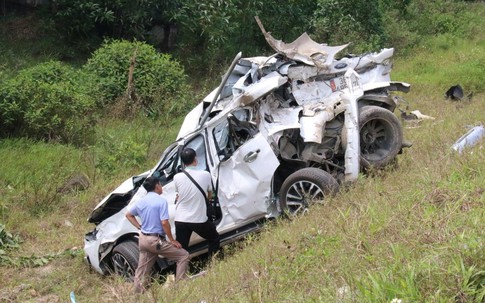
244, 166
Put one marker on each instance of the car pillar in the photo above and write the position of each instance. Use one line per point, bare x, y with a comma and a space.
350, 95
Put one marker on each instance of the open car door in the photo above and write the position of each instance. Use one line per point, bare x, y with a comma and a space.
244, 168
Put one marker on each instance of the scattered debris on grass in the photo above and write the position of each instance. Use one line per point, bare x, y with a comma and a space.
455, 93
469, 139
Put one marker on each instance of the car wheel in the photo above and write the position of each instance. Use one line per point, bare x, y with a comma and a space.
125, 259
380, 136
305, 187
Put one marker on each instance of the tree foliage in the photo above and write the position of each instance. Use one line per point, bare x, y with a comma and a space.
211, 29
356, 22
109, 18
215, 27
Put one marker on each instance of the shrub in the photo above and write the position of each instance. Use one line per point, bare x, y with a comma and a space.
49, 101
154, 75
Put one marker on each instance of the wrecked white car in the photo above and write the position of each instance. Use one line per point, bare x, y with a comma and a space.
278, 133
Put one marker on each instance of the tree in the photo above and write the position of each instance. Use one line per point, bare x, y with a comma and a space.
341, 21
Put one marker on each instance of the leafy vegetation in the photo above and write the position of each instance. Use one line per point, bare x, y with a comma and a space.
136, 72
55, 102
413, 233
49, 101
211, 29
117, 19
9, 242
341, 22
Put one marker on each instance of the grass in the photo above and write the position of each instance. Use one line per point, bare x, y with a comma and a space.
414, 232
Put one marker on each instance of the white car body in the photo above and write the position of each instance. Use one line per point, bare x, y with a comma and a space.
245, 140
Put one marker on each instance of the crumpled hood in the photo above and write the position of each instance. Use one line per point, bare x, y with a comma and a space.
304, 49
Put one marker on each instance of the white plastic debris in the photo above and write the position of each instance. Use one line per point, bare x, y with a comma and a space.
419, 115
472, 137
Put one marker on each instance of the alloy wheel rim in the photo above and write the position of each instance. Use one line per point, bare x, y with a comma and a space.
122, 266
374, 137
301, 194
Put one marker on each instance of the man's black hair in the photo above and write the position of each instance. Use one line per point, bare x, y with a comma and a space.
150, 183
188, 156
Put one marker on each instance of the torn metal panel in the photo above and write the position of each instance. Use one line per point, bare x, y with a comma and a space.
259, 89
313, 122
310, 85
274, 118
246, 72
303, 72
399, 86
310, 92
303, 49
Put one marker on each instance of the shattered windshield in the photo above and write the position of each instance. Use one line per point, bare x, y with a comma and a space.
234, 132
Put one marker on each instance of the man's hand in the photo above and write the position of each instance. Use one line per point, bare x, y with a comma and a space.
168, 231
133, 220
175, 243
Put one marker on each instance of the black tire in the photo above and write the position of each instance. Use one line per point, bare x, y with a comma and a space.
305, 187
125, 259
380, 137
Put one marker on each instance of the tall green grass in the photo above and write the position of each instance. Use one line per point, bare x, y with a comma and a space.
444, 61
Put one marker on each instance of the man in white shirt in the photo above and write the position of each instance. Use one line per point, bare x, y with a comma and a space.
191, 207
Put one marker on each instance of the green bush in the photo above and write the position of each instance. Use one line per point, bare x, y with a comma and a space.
7, 240
50, 101
437, 17
158, 80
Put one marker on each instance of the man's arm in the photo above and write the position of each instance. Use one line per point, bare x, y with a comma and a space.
168, 231
209, 189
133, 220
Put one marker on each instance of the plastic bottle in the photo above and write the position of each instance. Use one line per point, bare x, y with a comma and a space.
469, 139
